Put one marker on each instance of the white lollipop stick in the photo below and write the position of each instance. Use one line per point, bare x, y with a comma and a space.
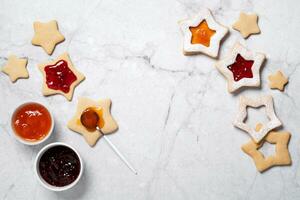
118, 152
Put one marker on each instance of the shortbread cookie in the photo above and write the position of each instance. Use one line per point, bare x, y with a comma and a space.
109, 125
15, 68
60, 77
257, 133
241, 68
47, 35
247, 24
277, 81
202, 34
281, 157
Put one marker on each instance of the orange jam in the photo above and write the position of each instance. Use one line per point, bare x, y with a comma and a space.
89, 119
31, 121
202, 34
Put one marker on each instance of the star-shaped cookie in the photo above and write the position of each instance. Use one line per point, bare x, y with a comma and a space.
202, 34
241, 68
247, 24
109, 124
15, 68
257, 134
47, 35
60, 77
281, 157
277, 81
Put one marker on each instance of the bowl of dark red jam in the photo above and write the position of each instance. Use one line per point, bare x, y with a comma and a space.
58, 166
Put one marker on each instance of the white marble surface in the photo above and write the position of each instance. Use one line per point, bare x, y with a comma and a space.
174, 111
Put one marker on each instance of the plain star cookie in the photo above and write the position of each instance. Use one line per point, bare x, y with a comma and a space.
108, 124
202, 34
241, 68
47, 35
259, 132
60, 77
247, 24
15, 68
281, 157
277, 81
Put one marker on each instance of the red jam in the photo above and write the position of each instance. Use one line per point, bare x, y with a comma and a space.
241, 68
59, 76
31, 121
59, 166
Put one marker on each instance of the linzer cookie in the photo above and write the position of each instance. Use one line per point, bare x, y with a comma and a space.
261, 130
60, 77
202, 34
106, 122
241, 68
281, 157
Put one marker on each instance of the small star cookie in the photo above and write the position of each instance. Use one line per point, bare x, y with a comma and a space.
15, 68
281, 157
109, 124
241, 67
60, 77
202, 34
247, 24
261, 130
277, 81
47, 35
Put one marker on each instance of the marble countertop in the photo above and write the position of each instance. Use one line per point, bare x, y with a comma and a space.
174, 112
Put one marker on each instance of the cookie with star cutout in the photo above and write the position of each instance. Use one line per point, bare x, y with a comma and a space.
15, 68
241, 68
261, 130
281, 156
202, 34
47, 35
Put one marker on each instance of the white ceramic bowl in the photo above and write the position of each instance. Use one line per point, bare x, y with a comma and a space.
40, 178
27, 142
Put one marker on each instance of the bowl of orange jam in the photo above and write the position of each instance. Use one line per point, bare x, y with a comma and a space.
32, 123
